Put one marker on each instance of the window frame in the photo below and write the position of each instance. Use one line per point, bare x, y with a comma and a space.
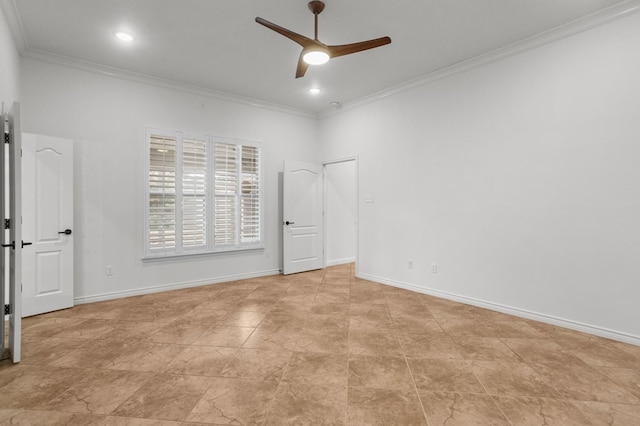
209, 247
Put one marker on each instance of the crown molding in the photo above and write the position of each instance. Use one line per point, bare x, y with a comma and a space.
11, 15
160, 82
569, 29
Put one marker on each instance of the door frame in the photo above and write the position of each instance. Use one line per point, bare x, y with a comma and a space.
355, 159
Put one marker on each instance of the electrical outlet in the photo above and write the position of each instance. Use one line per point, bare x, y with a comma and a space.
108, 270
434, 268
410, 264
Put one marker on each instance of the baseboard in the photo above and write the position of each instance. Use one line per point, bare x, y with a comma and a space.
174, 286
342, 261
518, 312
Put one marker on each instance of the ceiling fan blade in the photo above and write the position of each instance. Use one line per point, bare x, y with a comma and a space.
302, 66
346, 49
300, 39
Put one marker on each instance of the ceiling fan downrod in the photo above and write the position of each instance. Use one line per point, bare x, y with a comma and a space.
316, 7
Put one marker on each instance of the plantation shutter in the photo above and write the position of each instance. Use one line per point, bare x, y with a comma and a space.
204, 194
194, 192
250, 195
162, 192
226, 193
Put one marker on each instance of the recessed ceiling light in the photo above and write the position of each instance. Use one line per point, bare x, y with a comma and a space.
314, 90
124, 36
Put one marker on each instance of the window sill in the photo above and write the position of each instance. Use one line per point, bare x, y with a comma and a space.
178, 256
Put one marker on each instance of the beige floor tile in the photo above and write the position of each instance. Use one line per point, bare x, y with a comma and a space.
300, 331
369, 341
367, 297
304, 404
444, 375
225, 336
541, 411
162, 313
44, 351
512, 378
131, 330
459, 409
96, 354
200, 361
334, 342
179, 332
379, 372
628, 378
87, 329
280, 338
29, 417
485, 349
31, 386
418, 324
515, 329
98, 392
545, 350
602, 352
326, 323
334, 309
49, 327
144, 356
430, 345
329, 297
257, 364
290, 320
584, 383
243, 319
165, 397
234, 401
317, 369
383, 407
605, 414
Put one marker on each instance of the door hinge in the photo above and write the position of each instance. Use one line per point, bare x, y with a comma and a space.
7, 224
7, 309
6, 138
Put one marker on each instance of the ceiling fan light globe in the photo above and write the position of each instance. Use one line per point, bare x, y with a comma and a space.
316, 57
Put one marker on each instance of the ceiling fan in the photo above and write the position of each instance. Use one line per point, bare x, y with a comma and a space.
314, 52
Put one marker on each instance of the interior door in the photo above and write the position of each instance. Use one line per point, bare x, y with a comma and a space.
302, 234
47, 174
15, 232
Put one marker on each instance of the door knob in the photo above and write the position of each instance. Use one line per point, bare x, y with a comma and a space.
66, 232
289, 223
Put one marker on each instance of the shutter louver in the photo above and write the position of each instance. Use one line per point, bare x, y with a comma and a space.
194, 190
250, 195
226, 190
162, 192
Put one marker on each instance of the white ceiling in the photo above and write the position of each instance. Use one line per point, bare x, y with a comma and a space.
215, 44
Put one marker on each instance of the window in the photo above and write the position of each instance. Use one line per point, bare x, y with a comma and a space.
203, 194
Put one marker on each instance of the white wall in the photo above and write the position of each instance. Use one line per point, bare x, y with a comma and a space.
106, 117
519, 178
9, 65
340, 212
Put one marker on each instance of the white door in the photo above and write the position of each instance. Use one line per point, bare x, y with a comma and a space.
47, 175
302, 234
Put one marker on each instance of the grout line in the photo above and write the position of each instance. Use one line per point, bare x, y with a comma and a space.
406, 361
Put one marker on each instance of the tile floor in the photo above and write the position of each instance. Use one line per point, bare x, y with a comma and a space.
314, 348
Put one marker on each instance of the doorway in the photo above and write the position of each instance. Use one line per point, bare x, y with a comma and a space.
341, 211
